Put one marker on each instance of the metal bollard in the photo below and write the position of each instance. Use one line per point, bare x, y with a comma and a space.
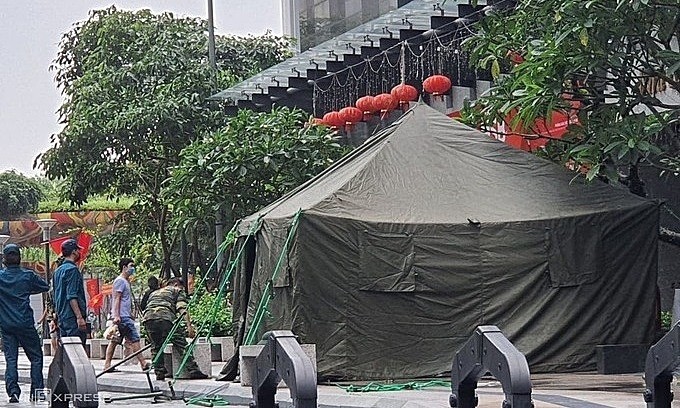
283, 358
488, 350
71, 377
662, 359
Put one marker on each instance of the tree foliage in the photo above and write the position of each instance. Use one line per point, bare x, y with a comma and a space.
249, 163
135, 89
619, 58
19, 195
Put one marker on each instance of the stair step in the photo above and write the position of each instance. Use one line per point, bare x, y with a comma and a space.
443, 21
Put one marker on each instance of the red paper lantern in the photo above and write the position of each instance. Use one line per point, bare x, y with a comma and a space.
333, 119
437, 84
405, 93
515, 57
385, 102
366, 104
351, 115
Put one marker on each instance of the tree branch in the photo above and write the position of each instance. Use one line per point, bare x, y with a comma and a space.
669, 236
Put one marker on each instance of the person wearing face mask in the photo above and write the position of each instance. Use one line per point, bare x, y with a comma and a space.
69, 293
122, 314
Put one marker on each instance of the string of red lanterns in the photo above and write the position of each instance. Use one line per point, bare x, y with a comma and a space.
401, 94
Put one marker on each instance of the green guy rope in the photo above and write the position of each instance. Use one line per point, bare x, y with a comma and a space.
264, 301
230, 239
413, 385
203, 401
218, 300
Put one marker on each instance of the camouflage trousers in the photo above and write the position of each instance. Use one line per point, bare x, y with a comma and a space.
158, 330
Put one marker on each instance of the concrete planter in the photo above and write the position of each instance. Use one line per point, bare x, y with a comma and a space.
223, 348
173, 358
95, 348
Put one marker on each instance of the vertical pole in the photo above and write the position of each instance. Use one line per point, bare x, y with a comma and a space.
219, 238
676, 308
184, 266
46, 326
219, 222
211, 37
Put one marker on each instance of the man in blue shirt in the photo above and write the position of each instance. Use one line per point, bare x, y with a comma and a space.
16, 320
69, 293
122, 313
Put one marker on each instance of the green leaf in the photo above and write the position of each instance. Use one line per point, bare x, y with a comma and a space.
593, 172
644, 145
612, 146
580, 148
673, 68
583, 36
495, 69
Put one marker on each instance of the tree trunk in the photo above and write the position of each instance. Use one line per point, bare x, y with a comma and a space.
635, 184
165, 247
637, 187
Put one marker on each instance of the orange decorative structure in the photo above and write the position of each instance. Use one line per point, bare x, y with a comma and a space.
437, 84
405, 93
26, 232
351, 115
366, 104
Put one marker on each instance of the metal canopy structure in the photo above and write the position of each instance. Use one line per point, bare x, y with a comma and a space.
305, 80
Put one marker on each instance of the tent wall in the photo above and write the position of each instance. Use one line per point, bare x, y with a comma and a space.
397, 301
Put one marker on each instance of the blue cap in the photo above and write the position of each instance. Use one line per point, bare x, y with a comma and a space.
11, 249
68, 246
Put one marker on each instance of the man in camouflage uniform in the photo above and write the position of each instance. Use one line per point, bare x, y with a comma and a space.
161, 311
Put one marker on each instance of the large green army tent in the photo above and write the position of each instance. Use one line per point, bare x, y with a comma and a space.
431, 228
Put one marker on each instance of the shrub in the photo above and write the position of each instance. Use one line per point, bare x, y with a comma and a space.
666, 319
201, 311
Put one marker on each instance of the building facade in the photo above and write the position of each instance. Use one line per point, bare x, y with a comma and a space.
312, 22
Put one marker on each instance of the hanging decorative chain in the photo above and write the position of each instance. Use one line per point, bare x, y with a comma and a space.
442, 53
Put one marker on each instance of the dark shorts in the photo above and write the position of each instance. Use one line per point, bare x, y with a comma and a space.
127, 330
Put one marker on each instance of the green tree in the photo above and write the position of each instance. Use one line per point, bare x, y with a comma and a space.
249, 163
19, 195
135, 88
618, 57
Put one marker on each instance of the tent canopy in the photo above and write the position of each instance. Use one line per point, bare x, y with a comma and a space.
428, 168
430, 229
